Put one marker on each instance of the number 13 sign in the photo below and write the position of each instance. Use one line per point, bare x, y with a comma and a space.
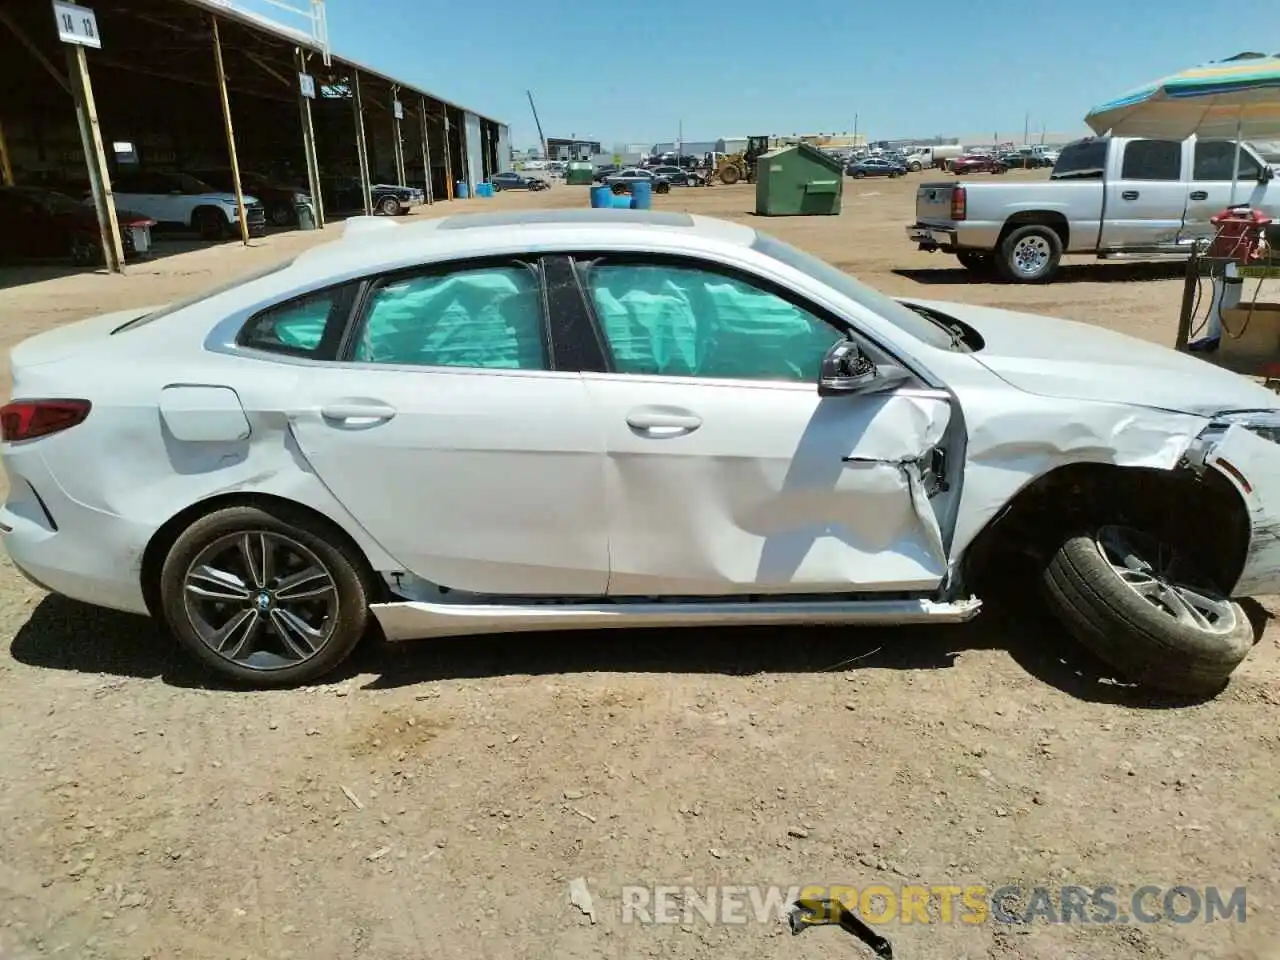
76, 24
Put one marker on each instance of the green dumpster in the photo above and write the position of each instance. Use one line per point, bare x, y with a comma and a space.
579, 172
798, 181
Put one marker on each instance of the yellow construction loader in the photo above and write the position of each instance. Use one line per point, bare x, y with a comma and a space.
742, 165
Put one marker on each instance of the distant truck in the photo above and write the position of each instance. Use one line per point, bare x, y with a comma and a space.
935, 157
1109, 196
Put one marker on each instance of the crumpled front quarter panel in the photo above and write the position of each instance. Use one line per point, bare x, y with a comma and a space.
1241, 453
1013, 438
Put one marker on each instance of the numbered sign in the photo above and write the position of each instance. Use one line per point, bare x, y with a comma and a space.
398, 109
76, 24
307, 85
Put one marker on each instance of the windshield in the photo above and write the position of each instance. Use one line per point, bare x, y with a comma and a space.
189, 184
56, 202
904, 318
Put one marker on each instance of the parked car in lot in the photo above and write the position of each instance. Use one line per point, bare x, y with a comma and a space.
517, 181
679, 176
280, 200
344, 195
874, 167
1106, 195
181, 200
603, 172
1017, 160
38, 223
389, 428
978, 163
622, 180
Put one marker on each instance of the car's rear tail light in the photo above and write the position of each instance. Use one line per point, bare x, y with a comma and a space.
959, 203
28, 419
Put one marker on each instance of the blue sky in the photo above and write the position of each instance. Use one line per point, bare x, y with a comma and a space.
633, 72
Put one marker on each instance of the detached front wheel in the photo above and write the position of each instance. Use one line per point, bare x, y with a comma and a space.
1143, 607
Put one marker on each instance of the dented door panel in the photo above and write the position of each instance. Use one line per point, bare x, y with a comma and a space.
718, 488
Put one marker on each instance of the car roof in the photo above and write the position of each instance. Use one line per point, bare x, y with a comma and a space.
373, 243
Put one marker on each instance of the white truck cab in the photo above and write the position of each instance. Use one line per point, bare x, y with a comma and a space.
1106, 195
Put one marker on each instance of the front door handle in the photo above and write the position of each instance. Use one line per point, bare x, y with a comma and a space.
1199, 194
358, 412
1129, 195
660, 423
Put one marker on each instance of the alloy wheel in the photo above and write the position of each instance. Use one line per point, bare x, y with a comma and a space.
1031, 256
261, 600
1154, 572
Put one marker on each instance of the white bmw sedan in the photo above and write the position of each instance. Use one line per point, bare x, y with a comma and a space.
595, 418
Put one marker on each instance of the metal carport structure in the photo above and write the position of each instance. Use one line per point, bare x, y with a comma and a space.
158, 88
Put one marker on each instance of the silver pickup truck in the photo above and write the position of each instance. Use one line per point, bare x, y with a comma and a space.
1109, 196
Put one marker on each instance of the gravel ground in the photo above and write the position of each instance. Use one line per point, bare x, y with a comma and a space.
439, 798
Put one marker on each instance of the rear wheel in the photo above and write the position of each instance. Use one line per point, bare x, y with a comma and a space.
1142, 607
662, 188
282, 214
1030, 254
859, 174
619, 189
730, 175
389, 206
268, 598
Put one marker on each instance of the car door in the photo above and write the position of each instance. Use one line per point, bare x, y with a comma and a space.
1144, 205
447, 431
1209, 190
726, 473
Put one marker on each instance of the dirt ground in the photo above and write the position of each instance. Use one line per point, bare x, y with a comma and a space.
437, 799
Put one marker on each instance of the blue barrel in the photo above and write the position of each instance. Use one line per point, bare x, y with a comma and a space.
621, 202
461, 191
485, 190
602, 196
641, 195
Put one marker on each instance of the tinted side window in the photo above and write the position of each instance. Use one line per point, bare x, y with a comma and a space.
673, 320
488, 317
1152, 160
297, 327
1085, 160
1215, 160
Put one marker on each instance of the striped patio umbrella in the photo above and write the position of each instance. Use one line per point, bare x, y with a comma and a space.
1230, 99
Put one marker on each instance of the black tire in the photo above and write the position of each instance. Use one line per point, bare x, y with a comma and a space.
388, 207
1029, 254
282, 214
619, 189
662, 188
859, 174
497, 188
210, 223
691, 181
1134, 635
352, 588
86, 251
976, 261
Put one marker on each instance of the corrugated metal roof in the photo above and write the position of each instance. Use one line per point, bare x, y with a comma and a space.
229, 10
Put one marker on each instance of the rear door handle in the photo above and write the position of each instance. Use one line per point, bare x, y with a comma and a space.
1199, 194
358, 412
1129, 195
660, 423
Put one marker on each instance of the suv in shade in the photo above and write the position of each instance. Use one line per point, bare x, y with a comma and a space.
181, 200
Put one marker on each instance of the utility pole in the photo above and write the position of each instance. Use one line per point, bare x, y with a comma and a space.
1026, 130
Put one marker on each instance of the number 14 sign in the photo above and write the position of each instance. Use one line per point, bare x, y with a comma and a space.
76, 24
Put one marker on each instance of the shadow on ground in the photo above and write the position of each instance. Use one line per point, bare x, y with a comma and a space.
1126, 272
64, 634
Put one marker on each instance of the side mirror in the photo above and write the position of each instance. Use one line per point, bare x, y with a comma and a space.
1266, 174
847, 370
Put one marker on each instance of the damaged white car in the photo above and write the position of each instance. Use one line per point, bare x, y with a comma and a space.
593, 418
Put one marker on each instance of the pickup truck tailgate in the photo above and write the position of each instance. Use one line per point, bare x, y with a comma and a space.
933, 202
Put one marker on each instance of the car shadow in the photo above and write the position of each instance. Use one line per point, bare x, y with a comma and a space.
1120, 272
64, 634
